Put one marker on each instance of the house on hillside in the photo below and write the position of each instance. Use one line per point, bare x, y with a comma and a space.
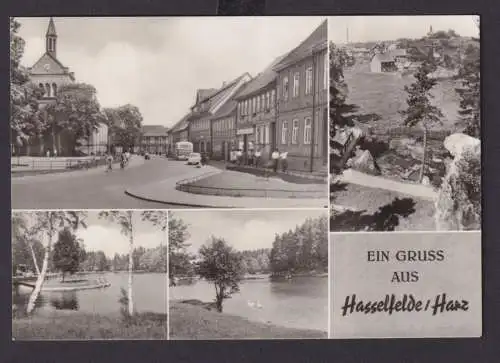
199, 121
154, 139
389, 61
302, 89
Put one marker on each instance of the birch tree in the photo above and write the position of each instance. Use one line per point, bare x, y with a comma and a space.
126, 221
48, 224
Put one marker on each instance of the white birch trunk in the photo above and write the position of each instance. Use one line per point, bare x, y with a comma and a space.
41, 277
34, 258
130, 268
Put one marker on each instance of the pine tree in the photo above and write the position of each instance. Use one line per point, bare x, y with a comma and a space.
420, 110
469, 92
66, 256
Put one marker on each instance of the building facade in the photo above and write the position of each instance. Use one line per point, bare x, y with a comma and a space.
257, 113
50, 75
223, 131
207, 105
302, 87
154, 139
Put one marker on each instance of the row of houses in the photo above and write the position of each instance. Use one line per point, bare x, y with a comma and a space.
283, 108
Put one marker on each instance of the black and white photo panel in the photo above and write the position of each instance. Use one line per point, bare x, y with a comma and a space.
405, 123
243, 274
93, 128
89, 275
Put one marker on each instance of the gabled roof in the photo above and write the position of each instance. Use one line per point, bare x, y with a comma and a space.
390, 56
202, 94
227, 109
182, 124
57, 66
262, 80
221, 94
154, 130
314, 42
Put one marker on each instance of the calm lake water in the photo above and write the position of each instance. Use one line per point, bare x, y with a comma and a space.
150, 294
298, 303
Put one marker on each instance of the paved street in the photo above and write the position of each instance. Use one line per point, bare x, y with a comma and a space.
93, 189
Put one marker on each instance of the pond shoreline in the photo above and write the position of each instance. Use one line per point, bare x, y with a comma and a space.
194, 319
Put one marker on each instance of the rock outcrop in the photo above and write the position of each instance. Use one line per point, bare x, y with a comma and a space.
458, 206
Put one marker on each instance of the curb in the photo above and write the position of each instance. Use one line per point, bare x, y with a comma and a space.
130, 194
172, 203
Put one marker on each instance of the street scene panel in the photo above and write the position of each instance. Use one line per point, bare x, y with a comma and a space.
260, 274
89, 275
405, 134
155, 114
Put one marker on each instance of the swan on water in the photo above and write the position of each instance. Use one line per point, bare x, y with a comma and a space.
255, 305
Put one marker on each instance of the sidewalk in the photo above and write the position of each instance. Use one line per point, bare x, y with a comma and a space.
135, 161
165, 192
416, 190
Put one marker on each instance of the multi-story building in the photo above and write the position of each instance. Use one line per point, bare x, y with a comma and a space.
256, 114
302, 85
223, 131
205, 107
50, 75
154, 139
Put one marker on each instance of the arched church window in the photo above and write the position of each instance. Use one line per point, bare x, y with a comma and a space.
42, 88
54, 89
47, 89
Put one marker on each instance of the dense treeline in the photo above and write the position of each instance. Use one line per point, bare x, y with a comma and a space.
145, 259
302, 250
255, 261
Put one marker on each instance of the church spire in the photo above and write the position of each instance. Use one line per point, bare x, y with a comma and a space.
51, 39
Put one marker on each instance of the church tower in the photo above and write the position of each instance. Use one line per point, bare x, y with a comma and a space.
51, 39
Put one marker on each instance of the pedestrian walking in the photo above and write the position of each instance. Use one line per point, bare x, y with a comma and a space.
275, 156
55, 153
239, 156
109, 161
48, 153
284, 161
257, 158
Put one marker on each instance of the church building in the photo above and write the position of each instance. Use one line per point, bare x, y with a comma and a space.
50, 74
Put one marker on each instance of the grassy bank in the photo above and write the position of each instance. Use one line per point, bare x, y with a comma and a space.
188, 321
371, 199
62, 325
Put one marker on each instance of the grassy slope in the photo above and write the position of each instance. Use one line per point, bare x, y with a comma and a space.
383, 94
370, 199
81, 326
195, 322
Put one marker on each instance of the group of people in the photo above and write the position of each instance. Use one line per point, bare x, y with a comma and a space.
124, 159
49, 154
254, 158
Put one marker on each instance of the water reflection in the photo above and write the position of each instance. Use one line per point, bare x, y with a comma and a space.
149, 296
301, 302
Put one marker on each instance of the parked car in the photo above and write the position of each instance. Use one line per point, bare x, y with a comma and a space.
194, 159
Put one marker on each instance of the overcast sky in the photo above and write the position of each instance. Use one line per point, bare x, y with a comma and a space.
106, 236
158, 63
373, 28
242, 229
